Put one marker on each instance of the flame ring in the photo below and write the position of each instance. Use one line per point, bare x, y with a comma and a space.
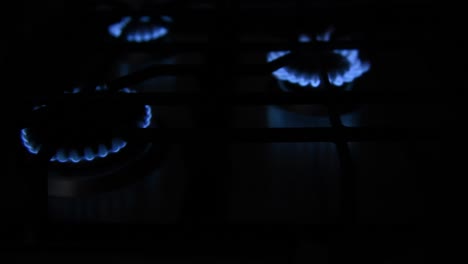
88, 155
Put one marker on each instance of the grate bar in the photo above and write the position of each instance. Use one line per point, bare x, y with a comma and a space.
266, 135
250, 99
258, 46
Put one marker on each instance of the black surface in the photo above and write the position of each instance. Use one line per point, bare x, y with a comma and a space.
265, 189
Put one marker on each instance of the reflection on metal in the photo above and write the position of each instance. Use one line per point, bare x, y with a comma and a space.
352, 119
112, 207
279, 117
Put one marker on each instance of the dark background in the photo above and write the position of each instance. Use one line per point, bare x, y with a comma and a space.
259, 202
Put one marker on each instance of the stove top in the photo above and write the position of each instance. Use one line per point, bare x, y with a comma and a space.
177, 114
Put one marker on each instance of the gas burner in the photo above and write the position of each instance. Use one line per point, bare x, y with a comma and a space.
139, 29
340, 66
82, 152
89, 159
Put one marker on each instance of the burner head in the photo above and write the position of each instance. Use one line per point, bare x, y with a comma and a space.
140, 29
340, 67
85, 132
90, 152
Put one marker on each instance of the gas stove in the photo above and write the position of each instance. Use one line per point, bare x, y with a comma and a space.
173, 114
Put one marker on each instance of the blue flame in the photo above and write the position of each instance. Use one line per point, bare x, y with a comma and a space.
146, 122
355, 70
117, 28
304, 38
144, 33
73, 91
88, 153
28, 143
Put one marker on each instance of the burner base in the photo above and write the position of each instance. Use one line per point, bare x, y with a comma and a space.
116, 172
278, 86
